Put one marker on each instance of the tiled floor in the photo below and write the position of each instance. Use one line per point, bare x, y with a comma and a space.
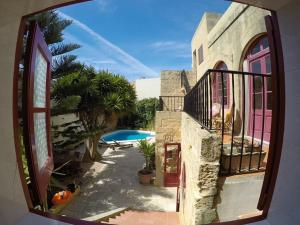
113, 183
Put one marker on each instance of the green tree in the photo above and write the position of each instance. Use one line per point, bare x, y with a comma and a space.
98, 98
52, 27
145, 112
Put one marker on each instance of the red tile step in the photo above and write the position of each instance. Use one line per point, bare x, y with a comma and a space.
133, 217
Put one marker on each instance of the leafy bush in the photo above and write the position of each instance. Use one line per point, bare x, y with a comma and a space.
143, 116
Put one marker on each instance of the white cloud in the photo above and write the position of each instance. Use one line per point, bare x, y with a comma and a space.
117, 54
105, 62
106, 5
169, 45
174, 48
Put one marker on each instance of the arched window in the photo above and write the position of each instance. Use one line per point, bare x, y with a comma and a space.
217, 86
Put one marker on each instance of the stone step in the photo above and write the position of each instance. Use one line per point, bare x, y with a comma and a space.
133, 217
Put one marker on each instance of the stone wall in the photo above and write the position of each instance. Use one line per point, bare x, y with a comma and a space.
167, 128
200, 157
176, 82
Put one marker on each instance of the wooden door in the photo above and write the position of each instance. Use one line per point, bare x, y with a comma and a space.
260, 91
171, 165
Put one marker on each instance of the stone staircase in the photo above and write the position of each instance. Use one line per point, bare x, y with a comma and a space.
133, 217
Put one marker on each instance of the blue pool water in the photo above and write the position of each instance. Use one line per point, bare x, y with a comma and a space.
126, 135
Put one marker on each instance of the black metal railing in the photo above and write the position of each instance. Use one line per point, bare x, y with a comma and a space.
236, 106
171, 103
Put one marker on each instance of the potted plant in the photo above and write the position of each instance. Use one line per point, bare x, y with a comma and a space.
148, 150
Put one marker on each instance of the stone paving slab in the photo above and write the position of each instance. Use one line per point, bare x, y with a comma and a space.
113, 183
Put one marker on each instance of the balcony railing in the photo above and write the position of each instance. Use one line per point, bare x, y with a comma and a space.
171, 103
237, 107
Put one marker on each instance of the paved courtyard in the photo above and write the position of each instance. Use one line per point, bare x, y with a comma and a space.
113, 183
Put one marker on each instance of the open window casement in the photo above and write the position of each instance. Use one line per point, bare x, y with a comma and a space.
37, 79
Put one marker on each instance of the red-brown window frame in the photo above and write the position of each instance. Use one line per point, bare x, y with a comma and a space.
40, 176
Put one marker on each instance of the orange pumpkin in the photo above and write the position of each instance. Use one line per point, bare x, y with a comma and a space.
61, 197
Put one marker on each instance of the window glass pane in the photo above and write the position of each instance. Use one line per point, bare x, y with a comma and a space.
255, 49
258, 101
222, 66
225, 100
256, 67
40, 74
257, 84
269, 84
40, 135
268, 64
265, 43
269, 101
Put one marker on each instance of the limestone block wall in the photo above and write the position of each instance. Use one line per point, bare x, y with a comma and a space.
200, 152
176, 82
167, 128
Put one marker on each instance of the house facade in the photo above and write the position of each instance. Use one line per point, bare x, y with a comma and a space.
209, 161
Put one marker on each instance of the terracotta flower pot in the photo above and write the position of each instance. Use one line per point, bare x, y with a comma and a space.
145, 177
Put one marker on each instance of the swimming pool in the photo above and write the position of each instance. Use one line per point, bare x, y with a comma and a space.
127, 135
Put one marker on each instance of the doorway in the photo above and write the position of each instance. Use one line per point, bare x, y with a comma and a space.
260, 118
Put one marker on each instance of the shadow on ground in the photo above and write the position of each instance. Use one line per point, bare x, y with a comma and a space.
113, 183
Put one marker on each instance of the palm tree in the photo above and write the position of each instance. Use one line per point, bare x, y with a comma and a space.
99, 100
148, 150
52, 27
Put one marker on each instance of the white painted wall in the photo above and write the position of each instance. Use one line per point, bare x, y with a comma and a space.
285, 206
147, 88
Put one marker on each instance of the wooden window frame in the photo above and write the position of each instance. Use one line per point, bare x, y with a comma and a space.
40, 176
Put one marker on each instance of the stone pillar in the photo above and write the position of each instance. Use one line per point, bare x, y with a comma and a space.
201, 152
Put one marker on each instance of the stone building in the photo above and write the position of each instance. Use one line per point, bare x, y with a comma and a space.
234, 41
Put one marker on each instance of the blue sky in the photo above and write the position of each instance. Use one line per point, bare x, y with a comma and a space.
136, 38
